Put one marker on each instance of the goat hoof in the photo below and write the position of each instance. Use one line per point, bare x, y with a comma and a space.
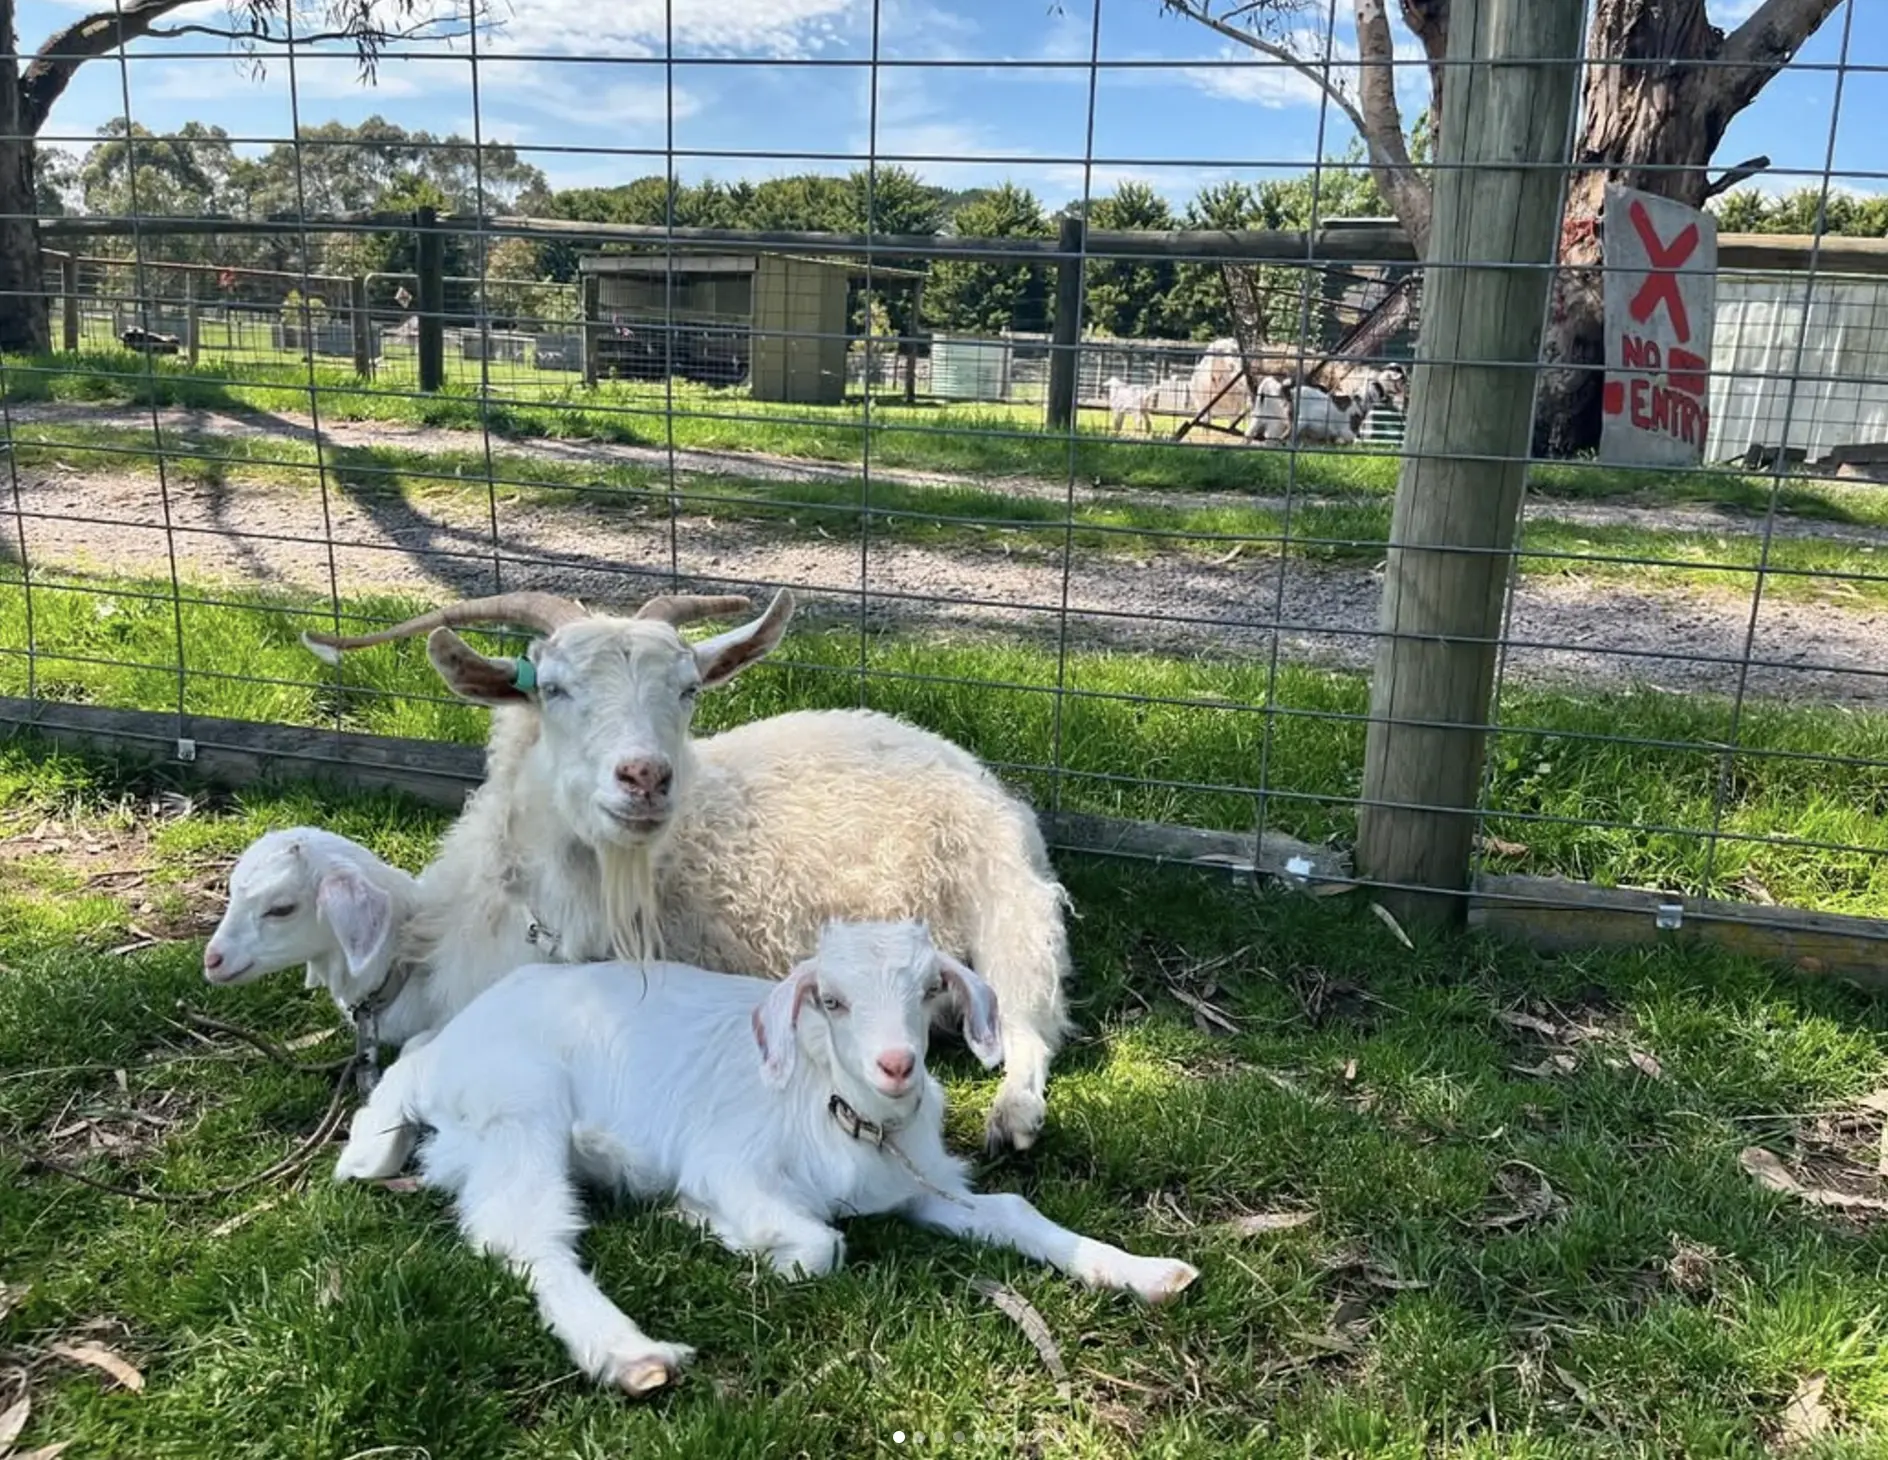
1168, 1281
1015, 1122
646, 1373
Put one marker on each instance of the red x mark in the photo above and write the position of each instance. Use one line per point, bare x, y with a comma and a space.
1661, 284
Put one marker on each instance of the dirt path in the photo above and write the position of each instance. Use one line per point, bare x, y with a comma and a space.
767, 467
276, 536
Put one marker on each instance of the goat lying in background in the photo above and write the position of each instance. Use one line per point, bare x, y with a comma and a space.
1304, 413
648, 1079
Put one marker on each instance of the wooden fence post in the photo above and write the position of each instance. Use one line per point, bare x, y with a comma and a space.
431, 268
363, 326
1065, 341
591, 294
913, 330
1506, 106
192, 318
69, 290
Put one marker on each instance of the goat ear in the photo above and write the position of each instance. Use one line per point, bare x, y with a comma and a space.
725, 655
359, 913
978, 1002
470, 674
775, 1018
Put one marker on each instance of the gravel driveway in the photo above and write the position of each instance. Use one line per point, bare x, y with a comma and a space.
440, 545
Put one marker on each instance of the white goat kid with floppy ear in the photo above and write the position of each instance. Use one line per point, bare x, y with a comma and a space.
307, 896
604, 830
653, 1084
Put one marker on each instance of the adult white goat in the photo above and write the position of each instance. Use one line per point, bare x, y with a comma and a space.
603, 830
649, 1080
1217, 386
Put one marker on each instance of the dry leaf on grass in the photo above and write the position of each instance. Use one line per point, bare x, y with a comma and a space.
44, 1452
230, 1224
1806, 1416
1350, 1071
10, 1298
1554, 1064
1646, 1065
1204, 1013
97, 1356
401, 1184
1534, 1198
330, 1292
1770, 1172
1515, 1019
1254, 1224
309, 1041
14, 1421
1389, 921
1876, 1101
1498, 847
1025, 1316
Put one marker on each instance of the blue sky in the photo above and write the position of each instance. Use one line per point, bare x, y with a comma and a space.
565, 75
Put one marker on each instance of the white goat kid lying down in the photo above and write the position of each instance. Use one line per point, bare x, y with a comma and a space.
604, 830
649, 1080
307, 896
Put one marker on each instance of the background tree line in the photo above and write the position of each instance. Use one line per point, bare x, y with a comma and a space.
378, 165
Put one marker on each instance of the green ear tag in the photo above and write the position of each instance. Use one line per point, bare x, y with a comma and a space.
524, 674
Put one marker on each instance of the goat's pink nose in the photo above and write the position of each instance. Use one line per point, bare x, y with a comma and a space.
897, 1064
212, 959
651, 777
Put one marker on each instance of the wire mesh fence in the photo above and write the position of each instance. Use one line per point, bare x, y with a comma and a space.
1104, 486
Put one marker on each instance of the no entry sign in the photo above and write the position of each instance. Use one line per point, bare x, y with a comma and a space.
1661, 293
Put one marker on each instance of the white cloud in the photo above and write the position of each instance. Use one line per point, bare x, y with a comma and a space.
597, 94
721, 28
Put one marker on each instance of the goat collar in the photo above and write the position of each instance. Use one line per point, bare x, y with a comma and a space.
871, 1132
364, 1013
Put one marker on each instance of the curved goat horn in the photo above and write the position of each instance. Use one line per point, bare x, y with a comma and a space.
687, 608
544, 612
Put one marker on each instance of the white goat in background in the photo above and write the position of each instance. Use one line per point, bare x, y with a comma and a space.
603, 830
649, 1080
1126, 400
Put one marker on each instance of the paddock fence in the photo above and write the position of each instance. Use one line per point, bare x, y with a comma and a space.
1448, 667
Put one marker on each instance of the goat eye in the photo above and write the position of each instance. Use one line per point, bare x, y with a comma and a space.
934, 988
831, 1004
552, 691
280, 910
690, 691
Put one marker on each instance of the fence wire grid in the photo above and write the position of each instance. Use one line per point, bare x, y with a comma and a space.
324, 376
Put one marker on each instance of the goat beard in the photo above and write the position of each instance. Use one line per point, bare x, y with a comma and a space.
629, 900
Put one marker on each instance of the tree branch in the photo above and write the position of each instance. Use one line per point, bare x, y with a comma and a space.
1428, 21
59, 59
1312, 73
1383, 132
1763, 45
1743, 172
426, 30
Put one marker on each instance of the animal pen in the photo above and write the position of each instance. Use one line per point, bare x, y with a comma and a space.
1494, 663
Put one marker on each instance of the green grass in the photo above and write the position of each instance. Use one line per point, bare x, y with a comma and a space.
1352, 529
1370, 1086
1138, 734
978, 440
